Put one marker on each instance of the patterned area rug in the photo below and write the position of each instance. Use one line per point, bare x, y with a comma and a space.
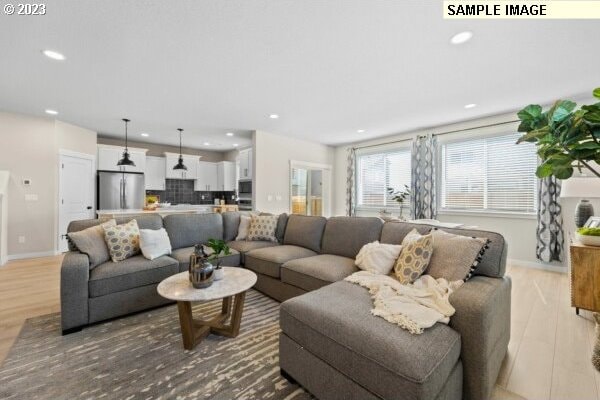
142, 357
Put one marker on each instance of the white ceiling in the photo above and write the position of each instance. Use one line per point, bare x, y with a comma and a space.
328, 68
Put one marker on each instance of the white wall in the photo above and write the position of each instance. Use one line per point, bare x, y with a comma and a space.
272, 156
30, 151
520, 232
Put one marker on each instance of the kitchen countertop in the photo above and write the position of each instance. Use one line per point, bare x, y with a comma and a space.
188, 209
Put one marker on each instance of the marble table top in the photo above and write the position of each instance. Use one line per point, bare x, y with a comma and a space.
235, 280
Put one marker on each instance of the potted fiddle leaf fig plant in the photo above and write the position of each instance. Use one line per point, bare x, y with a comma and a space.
399, 196
219, 249
566, 137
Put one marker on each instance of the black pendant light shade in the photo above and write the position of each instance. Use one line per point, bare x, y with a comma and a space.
126, 161
180, 164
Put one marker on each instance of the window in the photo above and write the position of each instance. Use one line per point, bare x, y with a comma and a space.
375, 172
489, 174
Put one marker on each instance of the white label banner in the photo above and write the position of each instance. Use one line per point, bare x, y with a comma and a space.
524, 9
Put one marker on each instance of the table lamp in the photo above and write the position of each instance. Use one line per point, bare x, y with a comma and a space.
584, 188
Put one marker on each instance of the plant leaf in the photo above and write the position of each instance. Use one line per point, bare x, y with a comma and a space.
562, 110
592, 118
543, 170
563, 173
532, 111
597, 93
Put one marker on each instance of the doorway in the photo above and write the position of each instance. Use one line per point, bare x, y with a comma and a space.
309, 188
75, 193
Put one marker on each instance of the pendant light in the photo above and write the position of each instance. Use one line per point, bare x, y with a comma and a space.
126, 160
179, 164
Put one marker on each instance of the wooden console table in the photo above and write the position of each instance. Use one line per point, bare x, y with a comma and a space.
585, 277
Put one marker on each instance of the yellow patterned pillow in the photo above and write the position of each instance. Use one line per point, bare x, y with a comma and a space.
123, 241
414, 257
263, 228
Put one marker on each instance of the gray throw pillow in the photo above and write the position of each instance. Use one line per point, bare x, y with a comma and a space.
455, 257
91, 242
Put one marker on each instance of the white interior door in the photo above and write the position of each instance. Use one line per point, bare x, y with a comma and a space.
76, 193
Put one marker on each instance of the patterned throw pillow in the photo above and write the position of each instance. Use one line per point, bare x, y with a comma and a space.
123, 241
455, 257
414, 256
263, 228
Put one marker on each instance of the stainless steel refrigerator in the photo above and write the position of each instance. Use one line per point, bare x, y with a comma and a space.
121, 190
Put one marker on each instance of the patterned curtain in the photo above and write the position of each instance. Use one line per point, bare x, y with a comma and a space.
423, 190
550, 239
350, 183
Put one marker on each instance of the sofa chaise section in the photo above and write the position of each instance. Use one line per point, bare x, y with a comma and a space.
335, 325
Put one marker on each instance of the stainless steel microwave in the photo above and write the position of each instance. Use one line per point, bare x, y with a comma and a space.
245, 189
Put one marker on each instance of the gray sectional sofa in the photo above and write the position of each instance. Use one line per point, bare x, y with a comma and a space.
330, 343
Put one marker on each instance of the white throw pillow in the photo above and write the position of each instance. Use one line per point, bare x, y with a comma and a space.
154, 243
377, 257
244, 226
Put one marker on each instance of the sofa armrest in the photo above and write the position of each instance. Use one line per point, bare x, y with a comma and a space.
74, 277
483, 320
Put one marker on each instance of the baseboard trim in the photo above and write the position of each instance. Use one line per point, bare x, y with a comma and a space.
539, 265
39, 254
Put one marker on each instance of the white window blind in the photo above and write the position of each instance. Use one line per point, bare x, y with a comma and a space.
491, 174
376, 172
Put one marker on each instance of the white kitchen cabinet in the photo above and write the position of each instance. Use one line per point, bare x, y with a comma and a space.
245, 163
188, 160
155, 173
226, 176
206, 179
109, 156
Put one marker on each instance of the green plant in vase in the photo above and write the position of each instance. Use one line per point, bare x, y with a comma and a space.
566, 137
219, 249
399, 196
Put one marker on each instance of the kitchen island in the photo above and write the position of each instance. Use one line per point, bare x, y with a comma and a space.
162, 211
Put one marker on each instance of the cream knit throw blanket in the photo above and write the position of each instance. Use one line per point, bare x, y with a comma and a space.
413, 307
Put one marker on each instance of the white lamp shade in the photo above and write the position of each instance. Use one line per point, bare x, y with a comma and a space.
582, 187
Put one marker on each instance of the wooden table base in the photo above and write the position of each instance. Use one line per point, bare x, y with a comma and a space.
194, 330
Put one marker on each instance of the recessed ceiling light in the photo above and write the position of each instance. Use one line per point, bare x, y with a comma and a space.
144, 134
55, 55
206, 144
360, 131
51, 112
461, 37
472, 105
229, 134
235, 145
273, 116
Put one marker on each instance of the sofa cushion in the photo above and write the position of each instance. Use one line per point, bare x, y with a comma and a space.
493, 262
345, 236
311, 273
305, 231
90, 241
244, 246
145, 221
336, 325
134, 272
268, 260
183, 257
187, 230
263, 227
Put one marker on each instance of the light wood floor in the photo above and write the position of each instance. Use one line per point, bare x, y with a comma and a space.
548, 356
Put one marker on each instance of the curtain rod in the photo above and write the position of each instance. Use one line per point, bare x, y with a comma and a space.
438, 134
382, 144
475, 127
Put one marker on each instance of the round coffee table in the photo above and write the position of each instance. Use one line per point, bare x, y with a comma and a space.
235, 282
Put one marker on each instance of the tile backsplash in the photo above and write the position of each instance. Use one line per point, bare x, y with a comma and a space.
179, 191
